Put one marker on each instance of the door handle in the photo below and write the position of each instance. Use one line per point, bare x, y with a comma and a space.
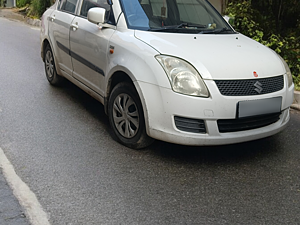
52, 18
74, 26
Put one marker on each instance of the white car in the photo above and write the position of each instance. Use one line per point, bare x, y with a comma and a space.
172, 70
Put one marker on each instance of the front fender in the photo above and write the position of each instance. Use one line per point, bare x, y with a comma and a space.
136, 59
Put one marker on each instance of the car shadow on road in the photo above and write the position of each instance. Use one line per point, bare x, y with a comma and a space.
91, 105
224, 154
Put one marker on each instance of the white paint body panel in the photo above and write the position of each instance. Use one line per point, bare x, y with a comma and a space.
214, 56
164, 104
230, 56
61, 32
91, 43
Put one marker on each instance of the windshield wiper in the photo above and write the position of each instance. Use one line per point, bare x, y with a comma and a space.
216, 31
177, 27
190, 25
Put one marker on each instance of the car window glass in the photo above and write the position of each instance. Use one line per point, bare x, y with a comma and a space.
88, 4
192, 12
179, 16
68, 5
58, 4
158, 8
189, 10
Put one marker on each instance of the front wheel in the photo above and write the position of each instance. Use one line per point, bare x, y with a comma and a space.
126, 117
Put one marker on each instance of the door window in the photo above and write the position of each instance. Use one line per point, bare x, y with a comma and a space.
68, 5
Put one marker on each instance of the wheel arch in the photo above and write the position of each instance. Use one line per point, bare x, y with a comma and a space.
122, 76
43, 47
44, 44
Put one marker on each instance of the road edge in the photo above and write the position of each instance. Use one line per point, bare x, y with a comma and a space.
26, 198
12, 13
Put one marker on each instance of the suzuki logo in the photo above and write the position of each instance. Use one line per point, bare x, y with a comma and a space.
258, 86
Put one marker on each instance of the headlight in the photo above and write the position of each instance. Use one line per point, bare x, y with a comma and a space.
288, 72
183, 77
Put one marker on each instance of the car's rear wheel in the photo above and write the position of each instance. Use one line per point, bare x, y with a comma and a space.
126, 117
50, 68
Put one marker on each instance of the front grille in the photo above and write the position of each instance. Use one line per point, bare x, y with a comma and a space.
250, 87
248, 123
190, 125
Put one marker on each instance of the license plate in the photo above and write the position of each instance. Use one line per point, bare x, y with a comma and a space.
259, 107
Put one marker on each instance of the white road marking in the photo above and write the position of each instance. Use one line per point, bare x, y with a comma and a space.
26, 197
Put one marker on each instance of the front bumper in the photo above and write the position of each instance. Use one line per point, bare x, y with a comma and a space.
162, 105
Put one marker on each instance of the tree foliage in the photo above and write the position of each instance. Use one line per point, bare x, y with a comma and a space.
275, 24
39, 6
36, 7
283, 14
22, 3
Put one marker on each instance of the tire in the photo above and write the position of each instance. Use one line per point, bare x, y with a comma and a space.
126, 117
50, 68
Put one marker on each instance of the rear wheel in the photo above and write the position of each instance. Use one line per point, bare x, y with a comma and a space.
50, 68
126, 117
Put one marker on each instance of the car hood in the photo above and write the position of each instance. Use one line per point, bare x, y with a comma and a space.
221, 56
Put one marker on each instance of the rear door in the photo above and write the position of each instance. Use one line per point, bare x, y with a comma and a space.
89, 46
59, 31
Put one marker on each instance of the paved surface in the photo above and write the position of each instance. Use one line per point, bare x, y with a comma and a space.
58, 140
12, 14
11, 212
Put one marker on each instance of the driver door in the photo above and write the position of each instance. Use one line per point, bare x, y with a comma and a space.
89, 47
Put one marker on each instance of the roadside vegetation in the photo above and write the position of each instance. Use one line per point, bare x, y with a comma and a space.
34, 8
275, 24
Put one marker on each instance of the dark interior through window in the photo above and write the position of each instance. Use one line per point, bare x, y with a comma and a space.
68, 5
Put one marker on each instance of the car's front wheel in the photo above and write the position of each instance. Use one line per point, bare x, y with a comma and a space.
50, 68
126, 117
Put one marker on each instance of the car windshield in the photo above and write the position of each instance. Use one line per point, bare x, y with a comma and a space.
180, 16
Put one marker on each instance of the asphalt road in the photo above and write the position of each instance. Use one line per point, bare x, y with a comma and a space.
58, 140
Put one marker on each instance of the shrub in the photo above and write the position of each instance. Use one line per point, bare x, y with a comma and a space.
39, 7
22, 3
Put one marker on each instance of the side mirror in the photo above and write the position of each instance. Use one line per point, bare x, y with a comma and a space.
96, 15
